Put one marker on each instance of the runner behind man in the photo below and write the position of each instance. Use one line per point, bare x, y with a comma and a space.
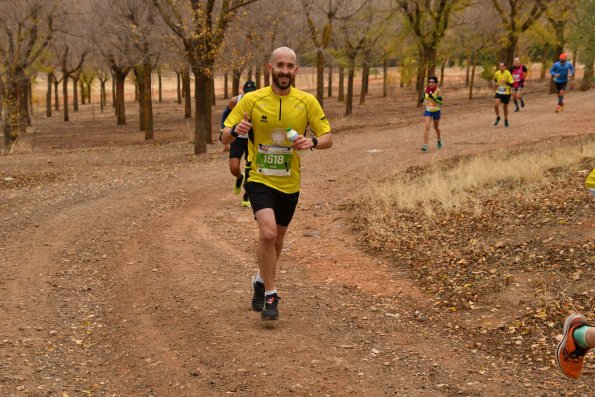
433, 101
239, 147
560, 71
504, 82
519, 74
274, 165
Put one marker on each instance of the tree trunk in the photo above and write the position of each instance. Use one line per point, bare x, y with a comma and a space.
574, 61
385, 78
212, 90
15, 107
65, 79
113, 90
186, 93
1, 101
468, 70
511, 49
120, 76
430, 61
225, 85
83, 93
366, 78
139, 77
341, 83
179, 90
136, 93
320, 76
102, 95
29, 100
420, 78
365, 74
202, 120
75, 97
442, 66
588, 72
48, 96
473, 59
56, 84
349, 99
330, 81
88, 90
544, 59
147, 100
160, 86
235, 84
258, 75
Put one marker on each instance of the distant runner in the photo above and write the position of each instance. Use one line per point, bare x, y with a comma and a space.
239, 147
433, 101
560, 71
504, 82
519, 74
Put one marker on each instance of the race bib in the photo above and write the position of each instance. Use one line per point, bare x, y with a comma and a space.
274, 160
501, 89
516, 77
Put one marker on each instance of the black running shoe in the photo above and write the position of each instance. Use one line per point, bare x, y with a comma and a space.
497, 121
258, 298
522, 103
270, 311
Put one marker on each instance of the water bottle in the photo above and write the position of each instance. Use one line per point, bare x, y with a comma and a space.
291, 135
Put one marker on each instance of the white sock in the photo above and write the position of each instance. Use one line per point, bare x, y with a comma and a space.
269, 293
258, 278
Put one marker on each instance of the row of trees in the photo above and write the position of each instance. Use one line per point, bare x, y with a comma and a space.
76, 42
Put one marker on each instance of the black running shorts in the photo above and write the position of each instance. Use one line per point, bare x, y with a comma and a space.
238, 148
503, 98
561, 86
263, 196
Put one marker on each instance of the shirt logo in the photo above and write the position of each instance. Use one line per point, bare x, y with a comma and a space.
264, 119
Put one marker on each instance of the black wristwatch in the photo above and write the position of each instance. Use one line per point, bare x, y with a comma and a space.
233, 132
314, 143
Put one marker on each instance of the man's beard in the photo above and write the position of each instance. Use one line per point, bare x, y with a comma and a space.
276, 77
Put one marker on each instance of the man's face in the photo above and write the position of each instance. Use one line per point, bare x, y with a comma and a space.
517, 62
283, 70
502, 66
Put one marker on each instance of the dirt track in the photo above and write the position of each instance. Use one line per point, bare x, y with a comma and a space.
126, 269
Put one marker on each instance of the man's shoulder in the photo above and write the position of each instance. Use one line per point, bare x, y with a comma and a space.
303, 95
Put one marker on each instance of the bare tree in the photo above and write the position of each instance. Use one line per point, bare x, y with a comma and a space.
27, 28
69, 64
325, 13
354, 40
429, 20
583, 39
517, 16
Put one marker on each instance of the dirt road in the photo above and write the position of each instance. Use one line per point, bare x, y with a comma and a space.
126, 269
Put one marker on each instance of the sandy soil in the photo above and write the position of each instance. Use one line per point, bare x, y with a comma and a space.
126, 265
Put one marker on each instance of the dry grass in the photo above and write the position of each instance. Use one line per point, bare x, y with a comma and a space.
481, 233
443, 188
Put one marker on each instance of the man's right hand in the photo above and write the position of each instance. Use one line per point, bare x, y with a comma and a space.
244, 126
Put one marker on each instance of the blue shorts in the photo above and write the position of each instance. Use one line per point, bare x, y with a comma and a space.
435, 115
